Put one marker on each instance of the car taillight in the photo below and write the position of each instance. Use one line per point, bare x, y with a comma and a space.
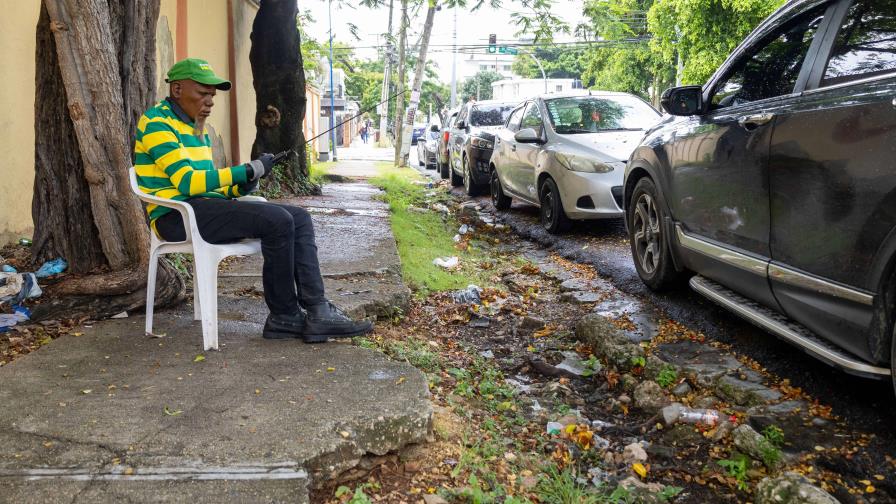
446, 136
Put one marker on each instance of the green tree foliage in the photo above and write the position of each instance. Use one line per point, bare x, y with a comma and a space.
704, 32
481, 82
558, 62
636, 43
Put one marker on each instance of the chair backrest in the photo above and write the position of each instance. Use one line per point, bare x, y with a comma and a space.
132, 175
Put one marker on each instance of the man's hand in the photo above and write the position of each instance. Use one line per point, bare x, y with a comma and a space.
262, 166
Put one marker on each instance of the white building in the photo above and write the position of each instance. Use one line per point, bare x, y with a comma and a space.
520, 89
471, 64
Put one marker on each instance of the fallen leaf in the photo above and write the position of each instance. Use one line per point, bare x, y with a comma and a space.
400, 380
199, 358
129, 471
76, 334
331, 369
86, 391
640, 469
47, 444
344, 434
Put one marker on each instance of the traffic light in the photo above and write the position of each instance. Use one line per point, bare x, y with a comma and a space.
492, 43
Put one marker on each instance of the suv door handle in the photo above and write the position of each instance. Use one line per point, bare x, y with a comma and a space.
752, 122
513, 147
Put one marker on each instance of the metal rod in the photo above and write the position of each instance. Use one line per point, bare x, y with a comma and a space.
332, 84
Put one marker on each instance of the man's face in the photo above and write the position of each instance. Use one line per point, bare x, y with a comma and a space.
196, 99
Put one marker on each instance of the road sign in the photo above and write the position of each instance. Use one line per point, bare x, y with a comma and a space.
492, 41
502, 50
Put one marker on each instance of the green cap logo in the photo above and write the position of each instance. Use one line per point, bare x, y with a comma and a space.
197, 70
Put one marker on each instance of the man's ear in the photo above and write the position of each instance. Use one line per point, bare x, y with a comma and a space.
175, 89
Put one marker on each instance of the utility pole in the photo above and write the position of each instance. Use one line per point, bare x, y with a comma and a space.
454, 65
332, 84
399, 102
418, 78
384, 109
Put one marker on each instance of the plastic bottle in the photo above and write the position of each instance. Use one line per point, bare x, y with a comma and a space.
677, 412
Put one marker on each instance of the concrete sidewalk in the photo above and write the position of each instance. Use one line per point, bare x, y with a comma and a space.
113, 415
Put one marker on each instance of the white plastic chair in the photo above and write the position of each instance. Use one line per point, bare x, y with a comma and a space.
206, 257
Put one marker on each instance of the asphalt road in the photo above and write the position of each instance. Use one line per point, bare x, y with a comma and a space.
864, 404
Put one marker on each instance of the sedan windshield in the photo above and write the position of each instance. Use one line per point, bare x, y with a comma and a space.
490, 115
591, 114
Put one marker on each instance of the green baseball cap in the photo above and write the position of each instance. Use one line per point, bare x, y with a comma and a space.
197, 70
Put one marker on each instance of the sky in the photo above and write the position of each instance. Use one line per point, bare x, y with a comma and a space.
472, 27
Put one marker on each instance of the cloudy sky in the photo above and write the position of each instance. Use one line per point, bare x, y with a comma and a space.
472, 27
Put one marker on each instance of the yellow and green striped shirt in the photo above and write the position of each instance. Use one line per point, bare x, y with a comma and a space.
171, 162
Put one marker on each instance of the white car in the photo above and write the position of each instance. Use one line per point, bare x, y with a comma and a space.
566, 154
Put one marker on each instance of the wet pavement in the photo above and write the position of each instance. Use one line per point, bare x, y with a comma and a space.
867, 404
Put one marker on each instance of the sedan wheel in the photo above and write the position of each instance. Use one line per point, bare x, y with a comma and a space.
649, 243
456, 179
553, 218
499, 199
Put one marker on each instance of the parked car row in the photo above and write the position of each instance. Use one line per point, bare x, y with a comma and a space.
771, 187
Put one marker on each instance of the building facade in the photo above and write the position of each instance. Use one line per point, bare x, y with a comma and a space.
520, 89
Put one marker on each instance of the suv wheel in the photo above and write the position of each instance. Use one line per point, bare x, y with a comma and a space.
553, 218
456, 180
470, 186
650, 245
499, 199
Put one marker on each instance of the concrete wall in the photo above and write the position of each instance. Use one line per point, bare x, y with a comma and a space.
243, 16
17, 40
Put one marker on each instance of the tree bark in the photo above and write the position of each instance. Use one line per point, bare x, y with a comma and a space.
279, 81
95, 77
402, 77
418, 74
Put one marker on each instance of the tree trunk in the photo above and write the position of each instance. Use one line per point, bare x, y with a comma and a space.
402, 77
95, 76
279, 82
418, 75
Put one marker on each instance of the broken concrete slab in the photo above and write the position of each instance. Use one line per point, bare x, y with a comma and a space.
745, 393
116, 397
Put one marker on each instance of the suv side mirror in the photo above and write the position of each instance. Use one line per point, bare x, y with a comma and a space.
683, 100
434, 128
460, 125
528, 135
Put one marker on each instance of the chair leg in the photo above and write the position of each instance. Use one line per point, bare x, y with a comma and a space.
151, 289
197, 302
207, 285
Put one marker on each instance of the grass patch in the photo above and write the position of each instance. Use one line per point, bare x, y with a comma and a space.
318, 171
423, 235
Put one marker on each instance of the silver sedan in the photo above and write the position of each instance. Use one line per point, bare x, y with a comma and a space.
566, 154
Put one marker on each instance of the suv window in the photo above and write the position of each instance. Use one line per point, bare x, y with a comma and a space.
532, 118
513, 123
866, 43
461, 116
489, 115
773, 68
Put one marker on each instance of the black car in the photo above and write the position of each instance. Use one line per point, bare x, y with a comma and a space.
472, 139
417, 132
774, 183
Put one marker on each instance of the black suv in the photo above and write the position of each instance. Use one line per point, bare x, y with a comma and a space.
472, 140
776, 183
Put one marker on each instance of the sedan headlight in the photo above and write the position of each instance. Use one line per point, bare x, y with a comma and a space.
585, 165
482, 143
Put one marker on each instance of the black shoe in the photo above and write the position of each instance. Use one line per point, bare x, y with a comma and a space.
284, 326
325, 321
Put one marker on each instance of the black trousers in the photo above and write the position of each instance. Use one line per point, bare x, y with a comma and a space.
291, 273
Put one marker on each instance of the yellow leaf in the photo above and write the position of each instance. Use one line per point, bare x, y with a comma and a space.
199, 358
865, 482
640, 469
129, 471
400, 380
86, 391
76, 334
869, 489
331, 369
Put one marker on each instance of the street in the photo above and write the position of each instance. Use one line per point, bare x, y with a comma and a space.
866, 404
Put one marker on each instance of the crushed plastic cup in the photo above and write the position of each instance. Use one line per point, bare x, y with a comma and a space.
464, 229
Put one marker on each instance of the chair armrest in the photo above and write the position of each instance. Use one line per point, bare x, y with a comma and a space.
251, 198
186, 212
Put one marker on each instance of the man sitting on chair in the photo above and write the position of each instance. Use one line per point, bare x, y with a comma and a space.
174, 160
